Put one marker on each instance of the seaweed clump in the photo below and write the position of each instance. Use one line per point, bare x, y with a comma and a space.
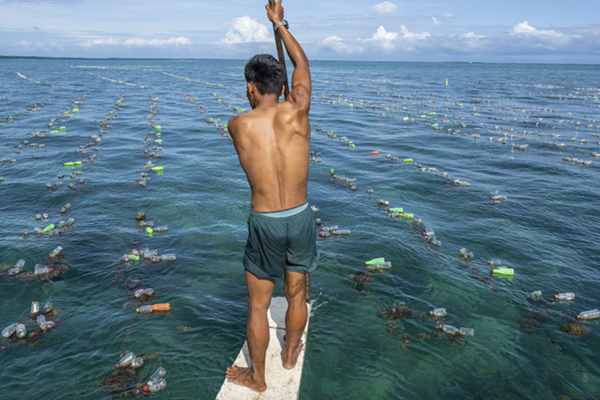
574, 329
360, 280
395, 312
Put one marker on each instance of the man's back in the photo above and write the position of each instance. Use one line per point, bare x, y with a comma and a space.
273, 145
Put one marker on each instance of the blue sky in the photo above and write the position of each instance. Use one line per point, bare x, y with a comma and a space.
428, 30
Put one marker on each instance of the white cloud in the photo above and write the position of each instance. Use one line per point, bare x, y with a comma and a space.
473, 36
470, 41
523, 28
176, 41
339, 45
527, 31
405, 39
435, 20
413, 36
387, 7
247, 30
384, 38
24, 43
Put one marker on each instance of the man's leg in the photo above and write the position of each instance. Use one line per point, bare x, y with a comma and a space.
260, 292
295, 319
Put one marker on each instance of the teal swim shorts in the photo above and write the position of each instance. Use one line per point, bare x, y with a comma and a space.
281, 241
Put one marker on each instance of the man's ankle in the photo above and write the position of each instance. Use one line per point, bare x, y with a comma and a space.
258, 378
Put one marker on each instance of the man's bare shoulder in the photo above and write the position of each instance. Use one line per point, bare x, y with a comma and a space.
238, 124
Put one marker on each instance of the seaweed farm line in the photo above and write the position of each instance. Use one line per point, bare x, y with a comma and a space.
458, 225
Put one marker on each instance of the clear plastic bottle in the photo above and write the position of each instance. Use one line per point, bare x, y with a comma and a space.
41, 270
168, 257
126, 359
65, 208
56, 253
48, 307
342, 232
137, 363
383, 203
564, 296
158, 375
17, 269
144, 309
146, 224
466, 254
155, 387
589, 315
21, 331
467, 331
48, 325
9, 331
497, 199
35, 308
44, 324
324, 233
143, 293
450, 330
438, 313
461, 182
147, 253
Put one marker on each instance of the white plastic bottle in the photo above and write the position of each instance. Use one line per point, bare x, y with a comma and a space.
589, 315
438, 313
564, 296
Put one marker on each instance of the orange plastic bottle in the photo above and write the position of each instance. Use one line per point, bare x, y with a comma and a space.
154, 308
161, 307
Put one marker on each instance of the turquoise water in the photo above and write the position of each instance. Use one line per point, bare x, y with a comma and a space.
548, 229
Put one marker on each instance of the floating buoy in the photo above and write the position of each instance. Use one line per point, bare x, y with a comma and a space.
48, 229
504, 272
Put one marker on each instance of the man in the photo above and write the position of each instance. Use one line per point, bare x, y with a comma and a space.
273, 142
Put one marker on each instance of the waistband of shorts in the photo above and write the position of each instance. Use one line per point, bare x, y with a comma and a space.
283, 213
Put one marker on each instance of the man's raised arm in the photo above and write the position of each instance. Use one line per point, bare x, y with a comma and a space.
301, 80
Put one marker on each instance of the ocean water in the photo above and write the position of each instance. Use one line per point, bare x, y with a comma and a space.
548, 229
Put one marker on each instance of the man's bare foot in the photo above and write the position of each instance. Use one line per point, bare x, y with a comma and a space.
245, 377
289, 356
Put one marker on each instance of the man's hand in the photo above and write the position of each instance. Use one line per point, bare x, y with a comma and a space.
275, 11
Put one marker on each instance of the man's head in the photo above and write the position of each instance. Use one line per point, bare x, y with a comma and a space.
264, 77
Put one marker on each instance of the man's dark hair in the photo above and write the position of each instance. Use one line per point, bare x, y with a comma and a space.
266, 73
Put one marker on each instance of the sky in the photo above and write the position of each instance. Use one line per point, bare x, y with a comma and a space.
561, 31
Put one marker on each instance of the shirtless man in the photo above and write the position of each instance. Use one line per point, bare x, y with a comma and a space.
273, 143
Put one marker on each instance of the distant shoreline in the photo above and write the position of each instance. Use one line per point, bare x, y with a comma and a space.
7, 57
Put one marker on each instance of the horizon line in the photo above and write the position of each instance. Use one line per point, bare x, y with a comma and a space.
316, 59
